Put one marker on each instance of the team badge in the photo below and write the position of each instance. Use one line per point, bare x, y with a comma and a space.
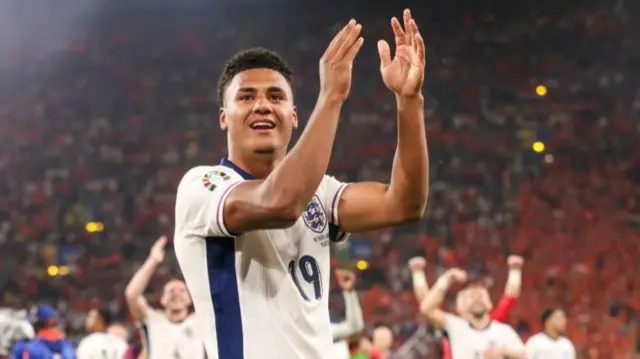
314, 216
188, 332
213, 179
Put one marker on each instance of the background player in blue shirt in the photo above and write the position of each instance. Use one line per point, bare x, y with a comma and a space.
49, 342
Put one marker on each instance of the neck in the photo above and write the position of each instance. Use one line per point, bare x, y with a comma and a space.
551, 333
98, 329
258, 164
479, 323
176, 315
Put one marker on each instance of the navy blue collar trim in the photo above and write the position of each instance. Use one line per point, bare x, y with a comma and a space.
246, 175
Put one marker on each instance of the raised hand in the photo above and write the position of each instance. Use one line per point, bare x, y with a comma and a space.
515, 262
157, 251
404, 74
417, 264
455, 275
337, 62
346, 279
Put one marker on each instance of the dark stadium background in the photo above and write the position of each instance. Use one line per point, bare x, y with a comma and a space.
105, 104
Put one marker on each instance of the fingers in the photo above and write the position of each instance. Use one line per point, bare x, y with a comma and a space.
385, 53
337, 40
353, 51
398, 32
350, 42
408, 31
418, 42
346, 44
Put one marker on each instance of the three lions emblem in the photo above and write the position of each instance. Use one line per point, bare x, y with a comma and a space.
314, 216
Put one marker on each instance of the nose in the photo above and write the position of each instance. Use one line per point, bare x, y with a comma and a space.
262, 106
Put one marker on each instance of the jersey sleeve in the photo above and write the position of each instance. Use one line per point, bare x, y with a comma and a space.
502, 311
200, 201
354, 321
331, 191
453, 323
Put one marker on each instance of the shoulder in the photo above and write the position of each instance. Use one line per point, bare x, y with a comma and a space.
154, 316
330, 183
209, 175
115, 340
502, 326
453, 322
503, 329
534, 339
567, 342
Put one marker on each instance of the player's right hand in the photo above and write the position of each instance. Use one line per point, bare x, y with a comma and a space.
456, 275
417, 264
346, 279
515, 262
157, 251
337, 62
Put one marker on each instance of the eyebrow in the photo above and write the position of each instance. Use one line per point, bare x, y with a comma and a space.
253, 89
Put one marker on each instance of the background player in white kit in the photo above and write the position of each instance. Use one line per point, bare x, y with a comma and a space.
14, 327
169, 333
551, 343
252, 234
473, 335
353, 322
107, 340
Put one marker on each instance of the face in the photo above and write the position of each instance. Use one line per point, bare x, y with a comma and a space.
93, 321
474, 301
175, 296
258, 111
382, 338
558, 321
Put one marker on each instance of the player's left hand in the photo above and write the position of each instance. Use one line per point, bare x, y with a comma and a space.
515, 262
346, 279
404, 74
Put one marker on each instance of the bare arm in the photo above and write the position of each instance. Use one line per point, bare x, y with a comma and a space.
514, 279
370, 205
430, 304
278, 200
134, 293
420, 285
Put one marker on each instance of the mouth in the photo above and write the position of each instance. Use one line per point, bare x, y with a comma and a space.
263, 124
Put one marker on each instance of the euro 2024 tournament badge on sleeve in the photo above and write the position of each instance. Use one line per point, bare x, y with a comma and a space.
214, 178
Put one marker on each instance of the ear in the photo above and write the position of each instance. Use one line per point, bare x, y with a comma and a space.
223, 119
295, 117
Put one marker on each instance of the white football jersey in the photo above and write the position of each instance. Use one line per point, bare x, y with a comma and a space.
13, 327
261, 294
340, 350
168, 340
542, 346
469, 343
102, 346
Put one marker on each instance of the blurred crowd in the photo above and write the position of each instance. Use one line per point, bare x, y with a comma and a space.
101, 130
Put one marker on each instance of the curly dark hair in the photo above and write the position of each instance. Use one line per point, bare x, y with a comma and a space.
254, 58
